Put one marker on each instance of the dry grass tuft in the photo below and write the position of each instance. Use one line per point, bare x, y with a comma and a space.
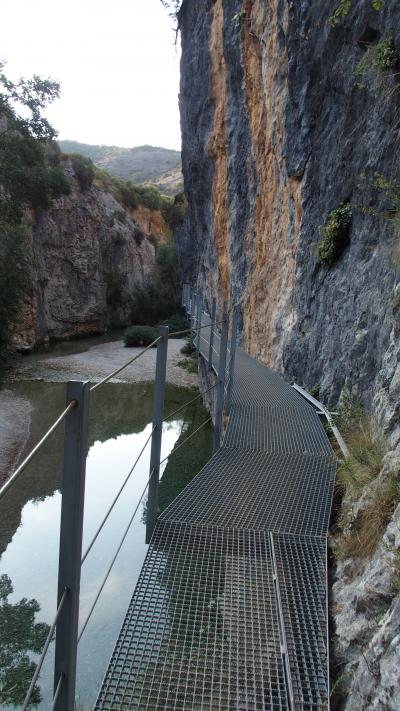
359, 537
360, 527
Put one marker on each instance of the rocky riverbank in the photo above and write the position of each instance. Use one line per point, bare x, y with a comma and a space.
92, 363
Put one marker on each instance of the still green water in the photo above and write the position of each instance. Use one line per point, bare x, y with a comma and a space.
120, 422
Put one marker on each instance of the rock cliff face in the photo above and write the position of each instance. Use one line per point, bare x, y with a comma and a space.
277, 132
285, 117
86, 256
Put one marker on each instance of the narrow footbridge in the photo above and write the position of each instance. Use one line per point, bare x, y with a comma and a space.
230, 610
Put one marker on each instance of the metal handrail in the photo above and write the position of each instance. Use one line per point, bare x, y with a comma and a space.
44, 652
13, 478
175, 449
96, 535
189, 402
57, 691
129, 362
192, 328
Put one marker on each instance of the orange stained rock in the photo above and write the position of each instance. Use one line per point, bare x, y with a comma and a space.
217, 147
268, 308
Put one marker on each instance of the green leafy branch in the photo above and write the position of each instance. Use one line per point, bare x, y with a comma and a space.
343, 8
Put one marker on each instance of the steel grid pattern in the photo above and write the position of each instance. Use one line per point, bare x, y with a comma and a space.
301, 569
276, 430
202, 629
259, 490
237, 568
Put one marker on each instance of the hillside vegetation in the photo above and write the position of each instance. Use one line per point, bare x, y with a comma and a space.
142, 165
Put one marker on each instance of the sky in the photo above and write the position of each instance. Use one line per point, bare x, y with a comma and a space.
116, 62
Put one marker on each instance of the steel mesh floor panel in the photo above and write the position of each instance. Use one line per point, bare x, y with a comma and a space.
260, 490
202, 629
236, 568
276, 430
301, 567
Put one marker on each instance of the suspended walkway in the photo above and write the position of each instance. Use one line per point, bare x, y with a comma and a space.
230, 609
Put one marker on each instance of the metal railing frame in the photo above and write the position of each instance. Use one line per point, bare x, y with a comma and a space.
75, 416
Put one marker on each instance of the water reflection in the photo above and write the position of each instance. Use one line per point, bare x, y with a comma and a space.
20, 634
120, 423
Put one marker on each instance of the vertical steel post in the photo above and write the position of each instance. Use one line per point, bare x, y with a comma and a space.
199, 322
210, 348
233, 348
158, 409
69, 567
192, 314
221, 379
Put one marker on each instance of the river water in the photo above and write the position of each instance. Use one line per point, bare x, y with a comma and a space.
120, 422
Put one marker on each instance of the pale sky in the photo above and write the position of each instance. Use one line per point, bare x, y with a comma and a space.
116, 62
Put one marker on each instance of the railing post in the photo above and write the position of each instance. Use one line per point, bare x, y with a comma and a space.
158, 409
199, 322
210, 348
69, 568
221, 379
193, 314
233, 348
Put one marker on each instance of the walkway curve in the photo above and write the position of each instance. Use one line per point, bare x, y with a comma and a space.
230, 609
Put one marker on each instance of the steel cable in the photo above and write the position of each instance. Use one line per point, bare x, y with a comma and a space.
37, 448
57, 692
114, 559
175, 449
129, 362
44, 652
89, 548
189, 402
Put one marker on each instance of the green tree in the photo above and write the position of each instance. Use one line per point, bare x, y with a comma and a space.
159, 296
27, 180
19, 635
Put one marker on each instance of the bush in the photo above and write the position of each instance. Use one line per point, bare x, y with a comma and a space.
188, 364
83, 169
160, 295
376, 68
139, 336
335, 234
177, 322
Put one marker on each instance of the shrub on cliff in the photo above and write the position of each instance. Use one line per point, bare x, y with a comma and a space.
83, 169
139, 336
335, 234
160, 295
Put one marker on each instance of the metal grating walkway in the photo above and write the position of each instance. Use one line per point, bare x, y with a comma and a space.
229, 612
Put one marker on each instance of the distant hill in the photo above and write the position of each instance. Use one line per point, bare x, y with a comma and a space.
143, 164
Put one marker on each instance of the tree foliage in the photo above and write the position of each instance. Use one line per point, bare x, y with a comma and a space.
159, 295
27, 180
19, 635
343, 8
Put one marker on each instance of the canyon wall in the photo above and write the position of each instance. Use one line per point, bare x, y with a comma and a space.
284, 118
86, 256
278, 131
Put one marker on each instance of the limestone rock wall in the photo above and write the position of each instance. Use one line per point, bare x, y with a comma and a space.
277, 131
86, 256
